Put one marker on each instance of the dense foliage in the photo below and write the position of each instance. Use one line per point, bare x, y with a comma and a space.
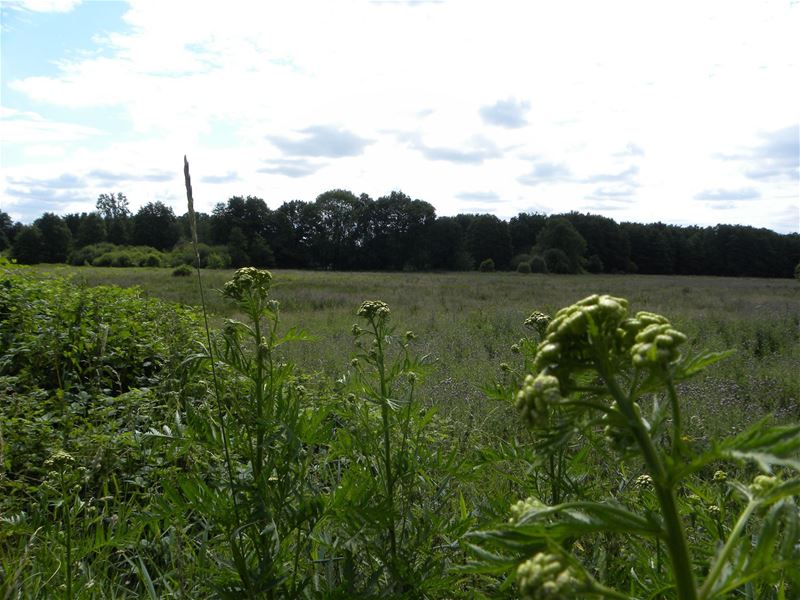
142, 457
342, 231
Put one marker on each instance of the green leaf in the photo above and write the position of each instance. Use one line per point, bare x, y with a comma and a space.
692, 365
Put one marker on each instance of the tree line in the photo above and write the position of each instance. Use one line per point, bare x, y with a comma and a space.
342, 231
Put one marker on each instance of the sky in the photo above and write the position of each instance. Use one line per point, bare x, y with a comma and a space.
683, 112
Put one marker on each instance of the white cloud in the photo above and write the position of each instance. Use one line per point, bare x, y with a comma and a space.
641, 95
58, 6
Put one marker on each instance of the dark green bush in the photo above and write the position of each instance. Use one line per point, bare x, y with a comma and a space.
524, 267
538, 265
182, 271
557, 261
487, 266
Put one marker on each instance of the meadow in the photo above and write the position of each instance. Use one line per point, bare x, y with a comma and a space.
354, 460
467, 323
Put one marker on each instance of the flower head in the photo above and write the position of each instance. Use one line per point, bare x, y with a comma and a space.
546, 576
536, 396
248, 280
522, 507
538, 321
762, 484
569, 336
374, 310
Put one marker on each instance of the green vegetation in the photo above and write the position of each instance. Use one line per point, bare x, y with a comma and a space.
141, 457
345, 232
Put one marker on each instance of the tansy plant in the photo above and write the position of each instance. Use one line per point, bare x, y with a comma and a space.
600, 368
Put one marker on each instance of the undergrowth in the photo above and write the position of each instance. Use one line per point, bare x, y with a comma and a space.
140, 458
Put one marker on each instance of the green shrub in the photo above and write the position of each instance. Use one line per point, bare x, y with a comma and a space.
487, 266
524, 267
88, 254
557, 261
797, 271
150, 260
182, 271
538, 264
218, 260
594, 264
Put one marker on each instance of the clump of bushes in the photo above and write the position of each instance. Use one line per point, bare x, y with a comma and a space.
111, 255
524, 267
211, 257
182, 271
538, 264
487, 266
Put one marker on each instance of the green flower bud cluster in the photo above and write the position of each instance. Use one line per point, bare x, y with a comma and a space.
657, 343
248, 280
762, 484
538, 321
59, 459
644, 481
374, 309
720, 476
536, 396
715, 512
522, 507
545, 576
567, 336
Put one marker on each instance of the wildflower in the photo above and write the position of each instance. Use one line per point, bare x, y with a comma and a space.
762, 484
538, 321
356, 330
514, 348
569, 335
248, 280
410, 335
504, 367
657, 344
644, 481
535, 397
522, 507
411, 377
59, 459
715, 512
546, 576
374, 309
720, 476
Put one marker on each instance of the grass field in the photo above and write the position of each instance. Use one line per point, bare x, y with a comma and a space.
467, 323
362, 463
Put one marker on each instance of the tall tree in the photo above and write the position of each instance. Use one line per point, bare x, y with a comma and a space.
559, 234
28, 245
56, 238
488, 237
155, 225
5, 230
91, 230
117, 216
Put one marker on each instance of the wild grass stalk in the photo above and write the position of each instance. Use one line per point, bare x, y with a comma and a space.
233, 535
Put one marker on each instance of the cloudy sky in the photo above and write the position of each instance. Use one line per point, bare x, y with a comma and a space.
672, 111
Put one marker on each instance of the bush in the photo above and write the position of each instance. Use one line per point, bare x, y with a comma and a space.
797, 272
123, 256
182, 271
538, 265
524, 267
520, 258
150, 260
487, 266
218, 260
557, 261
594, 264
87, 254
